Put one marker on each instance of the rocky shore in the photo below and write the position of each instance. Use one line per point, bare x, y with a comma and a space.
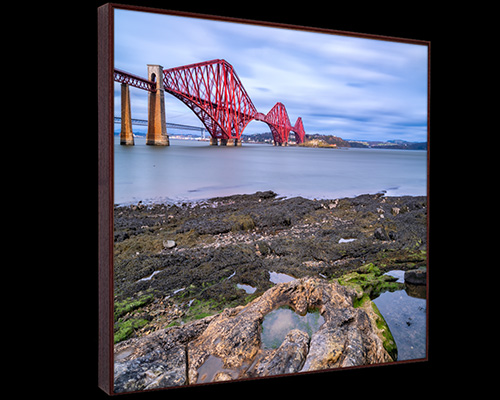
181, 268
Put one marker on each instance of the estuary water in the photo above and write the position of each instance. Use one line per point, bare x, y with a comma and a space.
189, 170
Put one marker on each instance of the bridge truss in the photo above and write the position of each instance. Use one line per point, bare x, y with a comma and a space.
134, 80
214, 92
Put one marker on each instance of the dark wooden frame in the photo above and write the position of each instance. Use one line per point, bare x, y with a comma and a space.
105, 198
105, 51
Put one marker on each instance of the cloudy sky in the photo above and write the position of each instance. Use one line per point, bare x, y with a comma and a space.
354, 88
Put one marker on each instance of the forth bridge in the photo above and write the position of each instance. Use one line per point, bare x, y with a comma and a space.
214, 92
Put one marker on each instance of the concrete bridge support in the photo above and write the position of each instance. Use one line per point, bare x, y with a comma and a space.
126, 135
225, 142
233, 142
157, 124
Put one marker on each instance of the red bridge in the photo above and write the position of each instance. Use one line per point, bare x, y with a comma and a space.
213, 91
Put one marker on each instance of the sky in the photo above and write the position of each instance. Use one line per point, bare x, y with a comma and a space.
354, 88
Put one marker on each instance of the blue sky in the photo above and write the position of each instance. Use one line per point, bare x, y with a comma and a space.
354, 88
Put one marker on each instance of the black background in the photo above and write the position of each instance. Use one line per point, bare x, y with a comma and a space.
408, 21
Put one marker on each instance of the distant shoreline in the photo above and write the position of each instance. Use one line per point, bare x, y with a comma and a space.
154, 202
319, 141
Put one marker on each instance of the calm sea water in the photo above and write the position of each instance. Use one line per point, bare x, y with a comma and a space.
193, 170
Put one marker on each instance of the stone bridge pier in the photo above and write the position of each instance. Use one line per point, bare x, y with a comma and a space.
126, 135
157, 124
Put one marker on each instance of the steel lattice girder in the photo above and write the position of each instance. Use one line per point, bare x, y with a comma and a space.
134, 80
278, 121
298, 128
214, 92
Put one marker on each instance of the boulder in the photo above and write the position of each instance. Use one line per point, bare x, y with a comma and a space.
286, 359
156, 360
380, 234
228, 345
416, 276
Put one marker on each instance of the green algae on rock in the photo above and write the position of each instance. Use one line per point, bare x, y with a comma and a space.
370, 281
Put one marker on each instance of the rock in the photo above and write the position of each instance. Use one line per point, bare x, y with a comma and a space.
268, 194
155, 369
225, 346
380, 234
169, 244
395, 210
222, 376
416, 276
346, 338
232, 337
288, 231
155, 361
288, 358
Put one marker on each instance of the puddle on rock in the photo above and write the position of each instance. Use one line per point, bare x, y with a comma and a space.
279, 322
277, 277
405, 314
148, 278
342, 240
247, 288
213, 369
397, 274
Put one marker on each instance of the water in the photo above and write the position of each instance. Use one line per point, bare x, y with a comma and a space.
279, 322
278, 277
403, 310
247, 288
342, 240
192, 170
405, 315
214, 365
148, 278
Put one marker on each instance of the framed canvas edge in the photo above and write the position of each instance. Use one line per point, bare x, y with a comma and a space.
105, 196
106, 178
270, 24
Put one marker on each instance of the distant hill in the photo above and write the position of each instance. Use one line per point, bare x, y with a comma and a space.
390, 144
317, 140
326, 141
266, 137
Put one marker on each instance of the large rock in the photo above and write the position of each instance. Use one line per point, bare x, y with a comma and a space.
416, 276
286, 359
156, 360
228, 346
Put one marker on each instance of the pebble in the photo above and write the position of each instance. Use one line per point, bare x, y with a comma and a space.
169, 244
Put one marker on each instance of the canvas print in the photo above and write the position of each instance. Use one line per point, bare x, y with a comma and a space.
270, 200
